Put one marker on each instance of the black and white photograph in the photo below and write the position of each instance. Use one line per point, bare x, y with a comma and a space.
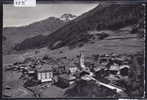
74, 50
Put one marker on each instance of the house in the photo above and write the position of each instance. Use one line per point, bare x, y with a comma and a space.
62, 69
45, 73
31, 71
104, 60
63, 81
73, 70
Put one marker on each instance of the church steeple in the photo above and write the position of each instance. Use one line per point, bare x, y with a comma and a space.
82, 64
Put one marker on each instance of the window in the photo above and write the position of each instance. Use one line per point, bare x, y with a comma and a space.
39, 76
43, 75
46, 75
50, 74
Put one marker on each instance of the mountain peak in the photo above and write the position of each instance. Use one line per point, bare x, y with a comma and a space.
67, 17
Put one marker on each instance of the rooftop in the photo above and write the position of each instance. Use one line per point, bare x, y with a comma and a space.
44, 67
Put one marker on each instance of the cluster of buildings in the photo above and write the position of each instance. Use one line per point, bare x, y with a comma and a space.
116, 67
41, 70
109, 67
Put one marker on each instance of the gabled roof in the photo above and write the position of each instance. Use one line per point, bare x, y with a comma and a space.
44, 67
64, 76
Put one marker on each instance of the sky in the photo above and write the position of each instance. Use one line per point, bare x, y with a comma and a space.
14, 16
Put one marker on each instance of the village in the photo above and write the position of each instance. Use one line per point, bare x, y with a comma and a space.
109, 70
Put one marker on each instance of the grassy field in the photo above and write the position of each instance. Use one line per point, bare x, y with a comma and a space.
119, 41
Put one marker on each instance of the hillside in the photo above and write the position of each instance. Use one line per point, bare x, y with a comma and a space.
43, 27
16, 35
109, 17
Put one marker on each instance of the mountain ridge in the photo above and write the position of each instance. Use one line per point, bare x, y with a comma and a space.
16, 35
100, 18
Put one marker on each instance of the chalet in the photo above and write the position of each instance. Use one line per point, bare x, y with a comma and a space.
73, 70
114, 67
104, 60
61, 69
31, 71
64, 80
45, 73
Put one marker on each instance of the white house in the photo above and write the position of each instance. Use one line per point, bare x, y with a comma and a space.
45, 73
73, 70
